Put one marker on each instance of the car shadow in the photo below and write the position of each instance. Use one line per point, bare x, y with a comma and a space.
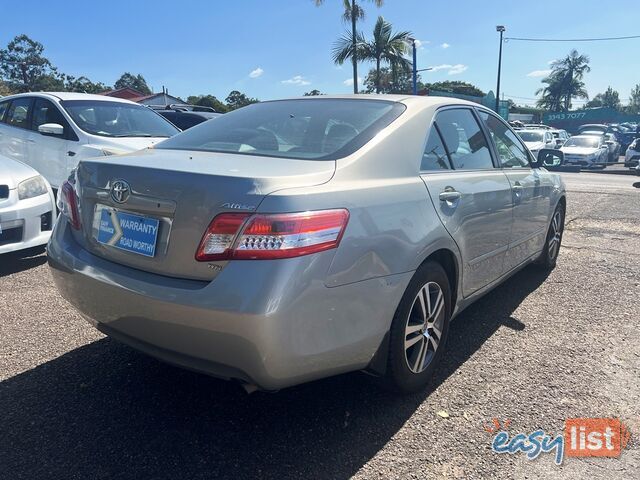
106, 411
16, 262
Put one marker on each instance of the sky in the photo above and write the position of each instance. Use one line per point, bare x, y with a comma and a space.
281, 48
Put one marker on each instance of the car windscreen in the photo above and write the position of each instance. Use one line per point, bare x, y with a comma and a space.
530, 136
117, 119
310, 129
582, 142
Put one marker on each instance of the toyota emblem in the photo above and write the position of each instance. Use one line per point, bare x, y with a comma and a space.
120, 191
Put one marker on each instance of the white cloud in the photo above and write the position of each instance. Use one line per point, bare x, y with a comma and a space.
539, 73
451, 69
297, 80
421, 43
445, 45
256, 73
349, 81
459, 68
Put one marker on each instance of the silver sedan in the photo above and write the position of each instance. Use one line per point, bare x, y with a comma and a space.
296, 239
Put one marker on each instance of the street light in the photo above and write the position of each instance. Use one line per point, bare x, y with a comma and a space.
501, 29
414, 66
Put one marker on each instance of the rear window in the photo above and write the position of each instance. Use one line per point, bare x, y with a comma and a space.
313, 129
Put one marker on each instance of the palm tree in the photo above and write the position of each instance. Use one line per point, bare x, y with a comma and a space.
386, 46
352, 13
565, 82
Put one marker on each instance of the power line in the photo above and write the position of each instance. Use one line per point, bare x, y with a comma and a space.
601, 39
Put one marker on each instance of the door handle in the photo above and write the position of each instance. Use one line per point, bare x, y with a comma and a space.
71, 154
449, 195
30, 140
517, 187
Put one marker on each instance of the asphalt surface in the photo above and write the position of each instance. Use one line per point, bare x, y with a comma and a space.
537, 350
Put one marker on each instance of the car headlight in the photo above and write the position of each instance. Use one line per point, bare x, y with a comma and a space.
32, 187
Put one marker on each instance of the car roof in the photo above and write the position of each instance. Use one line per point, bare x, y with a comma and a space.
413, 99
70, 96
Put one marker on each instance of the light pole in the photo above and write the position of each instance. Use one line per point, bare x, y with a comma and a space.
415, 67
501, 29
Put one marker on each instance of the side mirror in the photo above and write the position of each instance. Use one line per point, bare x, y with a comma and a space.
549, 157
54, 129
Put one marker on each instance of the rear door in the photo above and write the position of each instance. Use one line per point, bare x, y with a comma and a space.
472, 196
15, 129
49, 154
531, 191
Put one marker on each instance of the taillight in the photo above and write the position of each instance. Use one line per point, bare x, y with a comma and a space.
271, 236
218, 239
68, 204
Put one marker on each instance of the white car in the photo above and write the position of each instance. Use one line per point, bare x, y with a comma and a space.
632, 157
52, 132
536, 140
27, 207
588, 151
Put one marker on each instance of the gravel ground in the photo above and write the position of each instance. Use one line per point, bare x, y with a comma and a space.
77, 405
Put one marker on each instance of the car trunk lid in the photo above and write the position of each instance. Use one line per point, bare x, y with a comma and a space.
183, 191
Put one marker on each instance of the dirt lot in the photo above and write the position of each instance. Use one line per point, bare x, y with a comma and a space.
74, 404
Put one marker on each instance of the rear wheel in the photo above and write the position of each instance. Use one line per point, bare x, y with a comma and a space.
549, 256
419, 330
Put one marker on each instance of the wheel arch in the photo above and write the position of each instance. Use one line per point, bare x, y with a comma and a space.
449, 261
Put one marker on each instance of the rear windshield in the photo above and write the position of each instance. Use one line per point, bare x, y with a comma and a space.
313, 129
582, 142
117, 119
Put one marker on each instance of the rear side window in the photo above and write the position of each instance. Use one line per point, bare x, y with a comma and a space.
310, 129
465, 142
435, 156
3, 109
18, 113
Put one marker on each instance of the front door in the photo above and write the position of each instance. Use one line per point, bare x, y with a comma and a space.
49, 154
472, 196
531, 193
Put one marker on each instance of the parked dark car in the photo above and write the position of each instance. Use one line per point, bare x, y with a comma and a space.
186, 116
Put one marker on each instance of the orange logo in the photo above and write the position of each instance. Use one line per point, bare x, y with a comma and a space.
595, 437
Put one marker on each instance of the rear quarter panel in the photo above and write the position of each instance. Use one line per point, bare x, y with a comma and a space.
393, 226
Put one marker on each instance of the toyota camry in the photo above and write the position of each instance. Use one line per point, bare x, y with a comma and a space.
296, 239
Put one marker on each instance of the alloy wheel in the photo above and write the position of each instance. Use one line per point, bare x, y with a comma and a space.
556, 234
423, 330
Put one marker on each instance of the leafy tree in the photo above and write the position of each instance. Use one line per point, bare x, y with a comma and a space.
400, 82
4, 89
137, 82
634, 100
236, 99
352, 13
456, 86
313, 93
24, 68
83, 85
609, 99
385, 46
564, 83
207, 101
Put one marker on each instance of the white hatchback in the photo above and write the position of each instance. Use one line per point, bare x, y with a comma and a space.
52, 132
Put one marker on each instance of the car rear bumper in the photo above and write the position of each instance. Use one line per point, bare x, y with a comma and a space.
25, 223
268, 323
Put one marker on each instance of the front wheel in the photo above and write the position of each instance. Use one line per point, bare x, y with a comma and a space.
419, 330
549, 256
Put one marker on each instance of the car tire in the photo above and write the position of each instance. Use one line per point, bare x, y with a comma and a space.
419, 330
549, 255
